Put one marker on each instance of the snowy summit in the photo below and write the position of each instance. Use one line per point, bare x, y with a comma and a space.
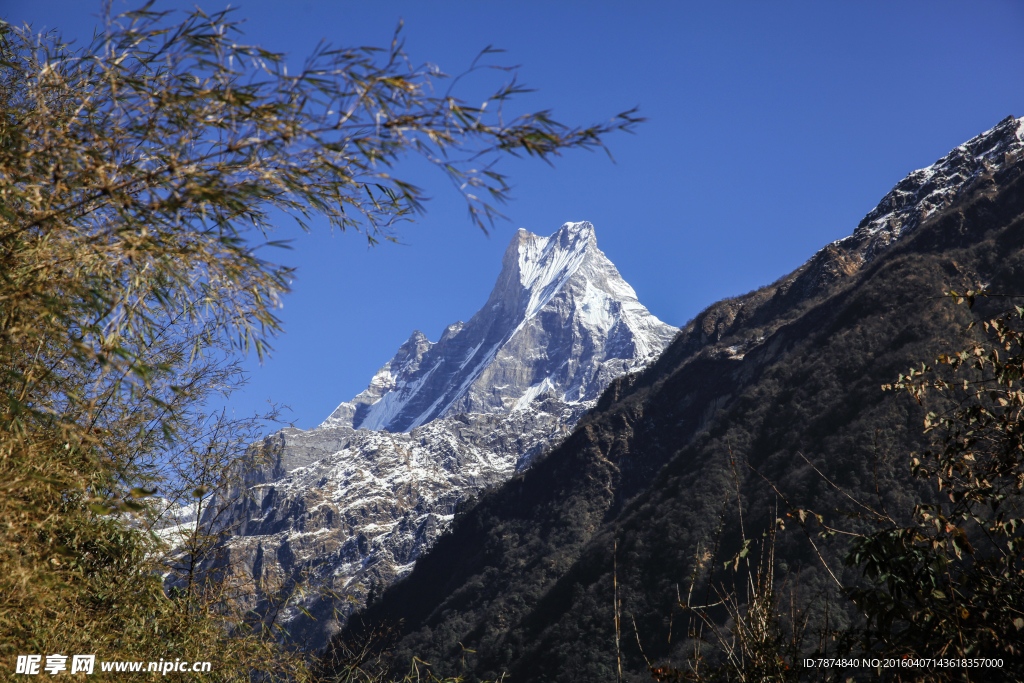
560, 321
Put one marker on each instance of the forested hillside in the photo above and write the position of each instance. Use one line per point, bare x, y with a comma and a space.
764, 406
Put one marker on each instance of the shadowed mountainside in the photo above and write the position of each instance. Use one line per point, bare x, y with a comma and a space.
749, 396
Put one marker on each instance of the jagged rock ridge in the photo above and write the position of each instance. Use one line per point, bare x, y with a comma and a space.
747, 321
921, 194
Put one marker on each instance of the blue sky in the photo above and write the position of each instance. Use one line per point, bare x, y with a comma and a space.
773, 128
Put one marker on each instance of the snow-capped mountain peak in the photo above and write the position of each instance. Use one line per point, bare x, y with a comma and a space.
357, 499
546, 262
560, 321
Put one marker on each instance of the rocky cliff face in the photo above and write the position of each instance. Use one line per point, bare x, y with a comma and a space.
351, 505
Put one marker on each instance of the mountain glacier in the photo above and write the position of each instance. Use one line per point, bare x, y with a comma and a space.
351, 504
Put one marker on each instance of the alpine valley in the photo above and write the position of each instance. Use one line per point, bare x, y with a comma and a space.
336, 513
579, 566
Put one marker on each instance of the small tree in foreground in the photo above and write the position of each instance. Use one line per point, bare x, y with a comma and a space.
137, 177
952, 584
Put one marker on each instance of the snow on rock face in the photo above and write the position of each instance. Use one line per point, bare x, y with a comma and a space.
928, 190
560, 315
920, 195
355, 501
339, 509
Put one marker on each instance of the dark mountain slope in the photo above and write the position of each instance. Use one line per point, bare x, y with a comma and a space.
789, 372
